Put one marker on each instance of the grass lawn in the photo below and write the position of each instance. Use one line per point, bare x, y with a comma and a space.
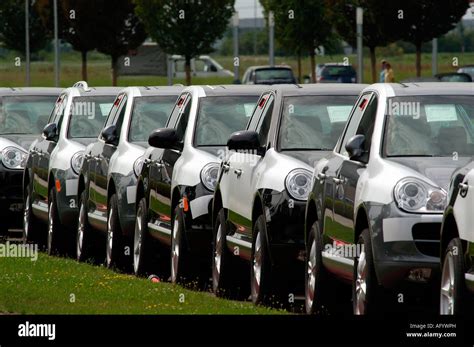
47, 286
42, 73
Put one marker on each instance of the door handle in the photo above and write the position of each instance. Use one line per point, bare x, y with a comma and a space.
463, 188
337, 181
238, 172
322, 176
225, 167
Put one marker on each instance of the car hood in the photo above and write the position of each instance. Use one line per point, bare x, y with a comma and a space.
23, 141
437, 169
309, 157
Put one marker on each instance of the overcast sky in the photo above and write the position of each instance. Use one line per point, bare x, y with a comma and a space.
246, 8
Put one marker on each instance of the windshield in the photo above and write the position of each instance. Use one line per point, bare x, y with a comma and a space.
219, 117
25, 114
88, 114
149, 113
313, 122
273, 74
429, 126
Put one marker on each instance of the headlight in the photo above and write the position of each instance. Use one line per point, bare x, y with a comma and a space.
209, 174
76, 162
415, 195
298, 183
14, 158
138, 165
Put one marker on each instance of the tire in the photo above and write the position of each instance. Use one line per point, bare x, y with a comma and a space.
32, 227
316, 276
114, 249
365, 301
453, 292
260, 268
84, 234
223, 262
141, 240
180, 257
55, 240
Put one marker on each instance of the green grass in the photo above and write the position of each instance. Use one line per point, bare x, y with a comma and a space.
42, 73
47, 285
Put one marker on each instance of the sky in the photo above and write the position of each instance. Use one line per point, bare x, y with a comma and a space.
246, 8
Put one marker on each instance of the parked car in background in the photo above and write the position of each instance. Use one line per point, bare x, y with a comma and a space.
457, 242
335, 73
107, 180
441, 77
374, 214
202, 66
266, 74
263, 185
52, 169
468, 69
23, 114
178, 177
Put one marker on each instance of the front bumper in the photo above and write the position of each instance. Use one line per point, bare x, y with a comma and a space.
405, 245
11, 197
285, 226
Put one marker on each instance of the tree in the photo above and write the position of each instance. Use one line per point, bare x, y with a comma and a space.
76, 25
302, 26
375, 26
12, 29
423, 20
188, 28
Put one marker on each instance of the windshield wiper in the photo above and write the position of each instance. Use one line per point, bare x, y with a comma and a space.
413, 155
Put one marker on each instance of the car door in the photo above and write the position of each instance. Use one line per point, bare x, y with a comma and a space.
43, 150
161, 172
348, 176
243, 169
101, 153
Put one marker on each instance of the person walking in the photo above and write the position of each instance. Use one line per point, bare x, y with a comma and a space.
382, 72
389, 75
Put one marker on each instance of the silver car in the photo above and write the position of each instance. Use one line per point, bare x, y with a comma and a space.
23, 114
107, 182
374, 214
54, 160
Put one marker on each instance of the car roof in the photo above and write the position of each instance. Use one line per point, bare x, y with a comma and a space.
334, 64
269, 67
230, 89
97, 91
432, 88
160, 90
30, 91
318, 89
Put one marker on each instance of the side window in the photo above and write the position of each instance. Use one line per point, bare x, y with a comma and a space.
354, 121
118, 120
177, 110
182, 123
113, 110
366, 125
59, 109
257, 112
58, 119
263, 127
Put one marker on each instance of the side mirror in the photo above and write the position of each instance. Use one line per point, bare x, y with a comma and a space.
109, 135
244, 140
165, 138
50, 132
355, 148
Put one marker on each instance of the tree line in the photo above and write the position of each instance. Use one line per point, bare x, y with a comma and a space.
190, 27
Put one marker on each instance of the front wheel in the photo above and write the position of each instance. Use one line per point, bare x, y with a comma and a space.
180, 257
366, 292
32, 227
55, 238
453, 291
114, 250
260, 267
316, 276
141, 257
84, 243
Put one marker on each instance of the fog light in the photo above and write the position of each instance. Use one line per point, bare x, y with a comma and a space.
419, 275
